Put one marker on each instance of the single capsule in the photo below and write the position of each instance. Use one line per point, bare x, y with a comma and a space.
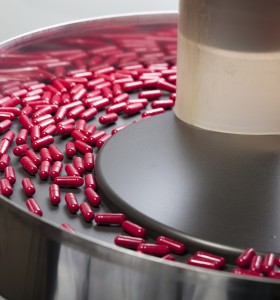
34, 157
5, 125
108, 118
28, 165
71, 170
22, 136
25, 122
92, 196
45, 155
175, 246
54, 193
275, 274
162, 103
44, 171
28, 186
42, 142
90, 181
82, 147
88, 162
150, 95
116, 108
256, 263
78, 164
133, 229
153, 112
90, 129
55, 169
5, 187
33, 206
55, 153
89, 114
10, 174
153, 249
95, 137
35, 133
244, 272
109, 218
128, 241
69, 181
50, 130
70, 149
78, 135
244, 259
81, 125
209, 256
86, 211
268, 263
208, 264
4, 146
134, 108
65, 129
72, 203
103, 140
20, 150
4, 161
10, 135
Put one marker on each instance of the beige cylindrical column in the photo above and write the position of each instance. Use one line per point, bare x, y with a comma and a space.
229, 65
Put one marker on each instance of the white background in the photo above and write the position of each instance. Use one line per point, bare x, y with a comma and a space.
20, 16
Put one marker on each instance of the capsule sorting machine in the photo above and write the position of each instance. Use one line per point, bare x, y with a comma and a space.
40, 260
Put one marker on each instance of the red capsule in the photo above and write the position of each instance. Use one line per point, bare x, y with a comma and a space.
86, 211
20, 150
243, 272
90, 129
42, 111
275, 274
153, 112
35, 133
45, 155
75, 112
26, 111
72, 203
108, 118
100, 104
117, 90
66, 122
44, 124
133, 229
4, 161
89, 114
142, 101
208, 264
82, 147
88, 162
116, 108
244, 259
54, 193
116, 130
90, 181
60, 114
14, 110
268, 263
95, 137
28, 165
25, 122
5, 187
70, 149
103, 140
10, 135
55, 153
33, 206
162, 103
42, 142
120, 98
28, 186
67, 227
256, 263
109, 218
5, 125
128, 241
166, 86
173, 96
10, 174
71, 170
4, 146
6, 116
132, 86
175, 246
69, 181
132, 109
66, 129
92, 197
78, 164
150, 95
44, 170
169, 257
49, 130
211, 257
78, 135
81, 125
153, 249
55, 169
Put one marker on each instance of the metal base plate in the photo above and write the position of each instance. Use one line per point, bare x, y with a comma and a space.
211, 190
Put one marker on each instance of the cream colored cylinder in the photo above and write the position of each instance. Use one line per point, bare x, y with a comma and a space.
229, 65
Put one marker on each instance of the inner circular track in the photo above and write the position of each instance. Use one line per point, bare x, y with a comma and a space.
210, 190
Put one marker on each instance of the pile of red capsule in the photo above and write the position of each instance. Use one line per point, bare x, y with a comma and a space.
71, 93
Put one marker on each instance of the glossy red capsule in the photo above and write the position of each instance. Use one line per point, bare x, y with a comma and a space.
67, 227
55, 153
245, 258
50, 130
107, 93
28, 165
33, 206
27, 110
211, 257
103, 140
175, 246
5, 187
82, 147
100, 104
256, 263
28, 186
153, 249
69, 181
46, 123
5, 125
4, 146
66, 122
70, 149
66, 129
90, 129
166, 86
117, 90
25, 122
88, 162
116, 108
78, 164
42, 111
275, 274
6, 116
4, 161
268, 263
173, 96
93, 197
15, 110
35, 133
128, 241
54, 194
95, 137
10, 135
56, 169
90, 181
22, 136
60, 114
153, 112
132, 109
150, 95
86, 211
72, 203
76, 112
108, 118
20, 150
42, 142
208, 264
132, 86
10, 174
244, 272
89, 113
81, 125
162, 103
71, 170
120, 98
45, 155
169, 257
109, 218
44, 169
142, 101
133, 229
78, 135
